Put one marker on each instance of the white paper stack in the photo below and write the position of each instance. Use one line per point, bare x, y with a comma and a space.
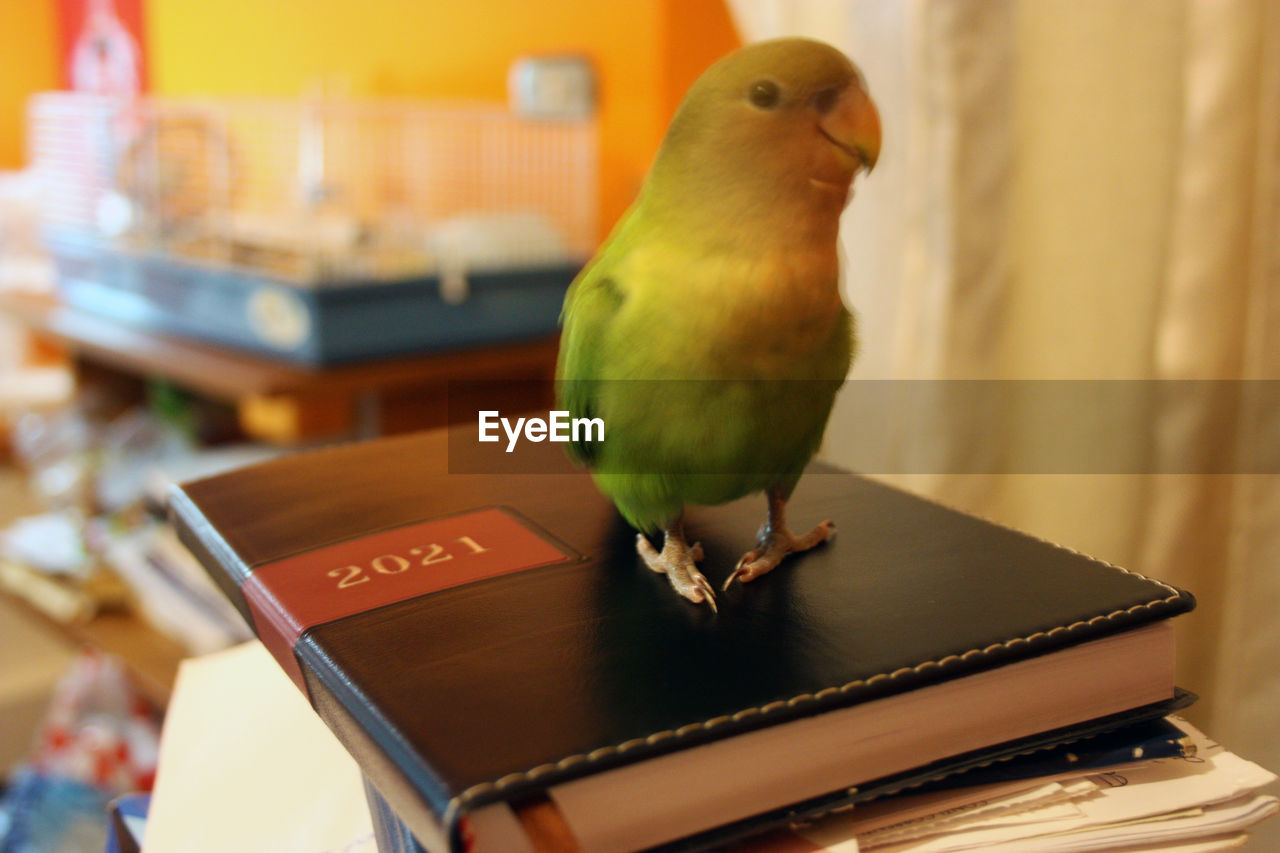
1199, 803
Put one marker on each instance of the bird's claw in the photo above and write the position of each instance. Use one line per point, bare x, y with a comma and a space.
676, 561
693, 585
773, 548
739, 571
707, 590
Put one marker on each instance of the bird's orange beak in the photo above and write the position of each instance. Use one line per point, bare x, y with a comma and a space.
854, 125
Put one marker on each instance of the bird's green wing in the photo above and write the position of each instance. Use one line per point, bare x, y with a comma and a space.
590, 306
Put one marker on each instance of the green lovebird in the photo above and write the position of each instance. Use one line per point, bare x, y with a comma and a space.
708, 333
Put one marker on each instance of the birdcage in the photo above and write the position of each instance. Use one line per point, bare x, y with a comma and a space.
322, 230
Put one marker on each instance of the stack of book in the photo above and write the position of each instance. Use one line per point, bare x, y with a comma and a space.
1161, 785
168, 586
509, 677
267, 759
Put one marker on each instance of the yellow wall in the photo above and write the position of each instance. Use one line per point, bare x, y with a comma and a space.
641, 48
28, 63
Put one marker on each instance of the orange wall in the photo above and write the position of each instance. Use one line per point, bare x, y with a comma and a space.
28, 63
645, 51
694, 34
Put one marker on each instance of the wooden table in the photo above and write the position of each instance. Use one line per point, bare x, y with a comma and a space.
285, 403
150, 658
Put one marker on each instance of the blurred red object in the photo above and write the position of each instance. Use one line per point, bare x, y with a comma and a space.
98, 730
102, 45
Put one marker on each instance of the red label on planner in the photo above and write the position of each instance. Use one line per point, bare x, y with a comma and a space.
288, 596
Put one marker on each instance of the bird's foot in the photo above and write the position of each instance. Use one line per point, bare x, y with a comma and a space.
677, 561
774, 545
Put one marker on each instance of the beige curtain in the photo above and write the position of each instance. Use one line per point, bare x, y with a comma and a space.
1086, 189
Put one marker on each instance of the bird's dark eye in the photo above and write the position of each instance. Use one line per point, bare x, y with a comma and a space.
824, 100
764, 94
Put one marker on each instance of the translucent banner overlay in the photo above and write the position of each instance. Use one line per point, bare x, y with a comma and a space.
878, 426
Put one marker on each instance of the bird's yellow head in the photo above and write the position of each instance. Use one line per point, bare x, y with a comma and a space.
786, 119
